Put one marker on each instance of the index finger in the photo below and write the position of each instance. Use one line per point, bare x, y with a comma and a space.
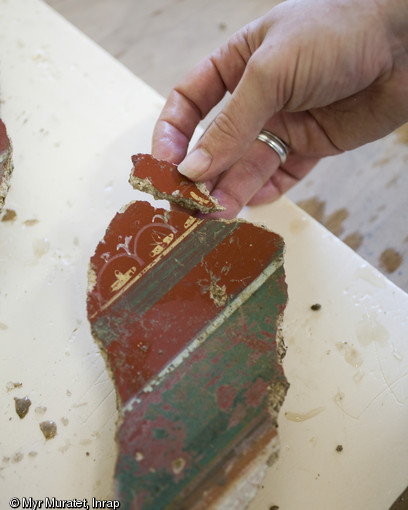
194, 97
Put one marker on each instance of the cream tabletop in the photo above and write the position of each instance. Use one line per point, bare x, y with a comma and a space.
75, 116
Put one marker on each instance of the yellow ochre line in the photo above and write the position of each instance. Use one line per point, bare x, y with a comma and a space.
148, 267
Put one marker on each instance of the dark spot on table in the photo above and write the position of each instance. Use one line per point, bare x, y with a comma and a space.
334, 222
314, 207
390, 260
354, 240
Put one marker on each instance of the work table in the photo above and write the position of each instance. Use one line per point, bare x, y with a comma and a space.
75, 116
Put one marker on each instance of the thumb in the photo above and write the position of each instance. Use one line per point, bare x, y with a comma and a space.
236, 127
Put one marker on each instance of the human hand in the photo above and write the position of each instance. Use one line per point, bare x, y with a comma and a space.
325, 76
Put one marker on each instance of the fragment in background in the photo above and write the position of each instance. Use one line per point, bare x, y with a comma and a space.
6, 165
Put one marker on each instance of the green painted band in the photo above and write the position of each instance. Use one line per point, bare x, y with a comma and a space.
162, 278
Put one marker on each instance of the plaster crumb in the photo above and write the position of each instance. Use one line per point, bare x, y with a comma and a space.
299, 417
13, 385
49, 429
9, 215
178, 465
218, 294
18, 457
22, 406
40, 410
92, 279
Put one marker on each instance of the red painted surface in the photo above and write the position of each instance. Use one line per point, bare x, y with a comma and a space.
166, 284
6, 166
166, 179
231, 265
4, 139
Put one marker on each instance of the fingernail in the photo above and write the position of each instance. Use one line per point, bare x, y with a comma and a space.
195, 164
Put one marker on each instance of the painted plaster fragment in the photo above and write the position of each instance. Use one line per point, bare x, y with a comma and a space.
162, 180
186, 311
6, 166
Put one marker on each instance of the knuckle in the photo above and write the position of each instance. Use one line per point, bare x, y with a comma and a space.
259, 64
226, 131
226, 125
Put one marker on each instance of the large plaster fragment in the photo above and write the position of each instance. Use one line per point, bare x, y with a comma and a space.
162, 180
6, 165
186, 311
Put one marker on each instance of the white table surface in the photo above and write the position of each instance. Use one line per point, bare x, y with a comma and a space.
75, 117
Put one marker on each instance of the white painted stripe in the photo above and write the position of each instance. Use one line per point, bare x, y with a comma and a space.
211, 328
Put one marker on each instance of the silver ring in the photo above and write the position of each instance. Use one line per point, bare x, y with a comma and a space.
275, 143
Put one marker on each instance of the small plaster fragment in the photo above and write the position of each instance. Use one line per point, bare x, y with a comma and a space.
9, 215
40, 410
13, 385
22, 406
49, 429
6, 164
162, 180
177, 465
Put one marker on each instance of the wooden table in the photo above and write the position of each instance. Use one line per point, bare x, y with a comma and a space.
75, 116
